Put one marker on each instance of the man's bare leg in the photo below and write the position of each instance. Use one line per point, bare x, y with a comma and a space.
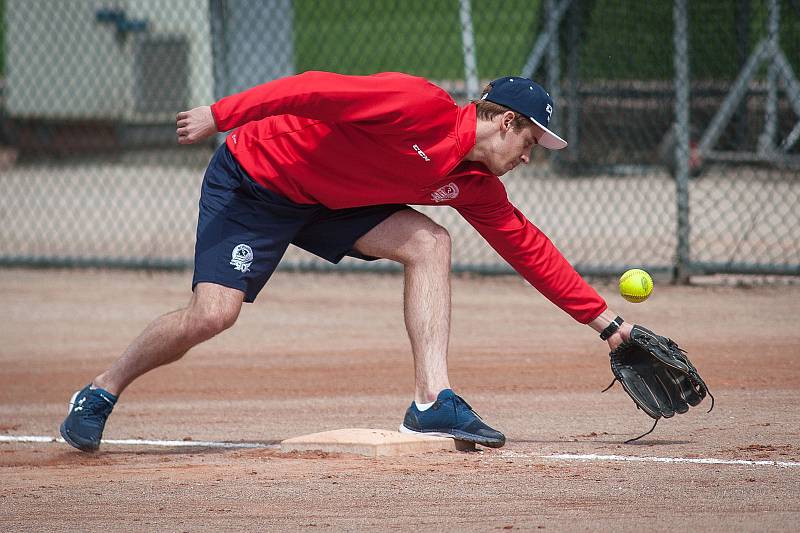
423, 247
212, 309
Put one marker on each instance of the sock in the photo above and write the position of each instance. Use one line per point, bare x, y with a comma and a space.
107, 396
423, 406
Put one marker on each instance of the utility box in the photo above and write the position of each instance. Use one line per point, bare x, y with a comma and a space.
85, 60
88, 69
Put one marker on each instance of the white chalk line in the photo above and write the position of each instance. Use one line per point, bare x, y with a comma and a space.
646, 459
503, 453
146, 442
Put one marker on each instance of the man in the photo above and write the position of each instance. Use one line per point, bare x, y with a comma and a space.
329, 163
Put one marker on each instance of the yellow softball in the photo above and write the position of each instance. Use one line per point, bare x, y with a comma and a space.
635, 285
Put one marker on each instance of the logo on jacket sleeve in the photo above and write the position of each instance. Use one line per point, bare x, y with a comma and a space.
448, 192
242, 257
421, 153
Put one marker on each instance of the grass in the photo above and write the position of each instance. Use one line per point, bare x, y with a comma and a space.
622, 39
416, 36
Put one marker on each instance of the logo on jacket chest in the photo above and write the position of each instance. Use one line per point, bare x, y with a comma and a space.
448, 192
421, 153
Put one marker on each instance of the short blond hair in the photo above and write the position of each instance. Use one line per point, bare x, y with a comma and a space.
488, 110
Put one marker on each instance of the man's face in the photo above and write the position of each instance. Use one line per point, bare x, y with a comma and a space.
510, 147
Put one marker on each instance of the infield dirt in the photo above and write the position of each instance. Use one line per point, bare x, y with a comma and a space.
322, 352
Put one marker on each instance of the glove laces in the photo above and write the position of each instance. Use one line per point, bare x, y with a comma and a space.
657, 419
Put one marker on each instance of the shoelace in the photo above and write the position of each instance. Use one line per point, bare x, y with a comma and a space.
94, 409
458, 399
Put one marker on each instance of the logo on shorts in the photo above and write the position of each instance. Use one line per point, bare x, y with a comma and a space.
448, 192
242, 257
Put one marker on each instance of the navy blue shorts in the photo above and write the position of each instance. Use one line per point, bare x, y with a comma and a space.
244, 228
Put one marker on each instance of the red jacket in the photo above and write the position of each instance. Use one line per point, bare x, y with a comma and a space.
347, 141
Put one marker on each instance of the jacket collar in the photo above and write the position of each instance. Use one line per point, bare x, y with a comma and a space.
466, 122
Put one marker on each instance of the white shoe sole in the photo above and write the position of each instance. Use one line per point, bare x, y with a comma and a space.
404, 429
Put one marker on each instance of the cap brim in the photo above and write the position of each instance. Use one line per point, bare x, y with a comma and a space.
550, 140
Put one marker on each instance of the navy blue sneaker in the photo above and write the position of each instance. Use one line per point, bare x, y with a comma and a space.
88, 410
451, 416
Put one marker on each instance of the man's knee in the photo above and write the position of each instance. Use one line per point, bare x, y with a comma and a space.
208, 322
431, 243
211, 311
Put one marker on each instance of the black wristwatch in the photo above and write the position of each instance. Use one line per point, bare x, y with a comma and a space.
611, 328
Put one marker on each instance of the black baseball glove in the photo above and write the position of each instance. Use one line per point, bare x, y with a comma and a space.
657, 374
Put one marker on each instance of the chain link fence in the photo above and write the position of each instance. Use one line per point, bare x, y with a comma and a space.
683, 120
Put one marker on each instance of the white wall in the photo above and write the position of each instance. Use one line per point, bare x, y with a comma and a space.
61, 63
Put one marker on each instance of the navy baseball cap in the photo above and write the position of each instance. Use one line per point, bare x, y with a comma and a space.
529, 99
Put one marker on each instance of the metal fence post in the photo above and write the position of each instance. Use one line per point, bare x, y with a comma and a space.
767, 140
553, 63
468, 47
573, 74
681, 58
219, 53
743, 13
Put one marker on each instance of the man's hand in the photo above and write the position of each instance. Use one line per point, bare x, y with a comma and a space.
195, 125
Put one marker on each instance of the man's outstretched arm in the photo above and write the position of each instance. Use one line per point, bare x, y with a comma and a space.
386, 101
532, 254
382, 101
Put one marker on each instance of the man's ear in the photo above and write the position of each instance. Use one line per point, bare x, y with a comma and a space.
506, 120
